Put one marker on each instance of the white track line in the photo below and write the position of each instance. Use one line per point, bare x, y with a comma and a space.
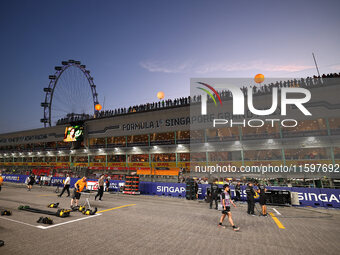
63, 223
4, 218
277, 212
52, 226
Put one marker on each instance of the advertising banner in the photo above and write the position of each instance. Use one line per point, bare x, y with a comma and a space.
139, 164
116, 164
162, 189
19, 178
163, 164
315, 197
97, 164
82, 164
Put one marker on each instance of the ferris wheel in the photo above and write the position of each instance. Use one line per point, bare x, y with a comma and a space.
71, 92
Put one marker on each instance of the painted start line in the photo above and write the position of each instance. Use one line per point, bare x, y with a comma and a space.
99, 213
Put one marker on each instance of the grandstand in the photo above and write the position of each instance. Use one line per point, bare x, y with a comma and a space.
155, 141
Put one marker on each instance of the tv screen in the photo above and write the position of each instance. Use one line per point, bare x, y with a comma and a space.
74, 133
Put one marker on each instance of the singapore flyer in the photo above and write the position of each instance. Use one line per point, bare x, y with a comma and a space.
71, 93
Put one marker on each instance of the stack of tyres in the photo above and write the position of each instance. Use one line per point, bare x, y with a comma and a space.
131, 185
190, 189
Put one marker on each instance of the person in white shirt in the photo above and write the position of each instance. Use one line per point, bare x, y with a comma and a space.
66, 186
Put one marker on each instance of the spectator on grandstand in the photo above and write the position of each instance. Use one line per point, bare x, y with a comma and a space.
309, 82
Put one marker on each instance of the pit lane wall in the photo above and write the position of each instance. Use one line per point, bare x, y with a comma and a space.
318, 197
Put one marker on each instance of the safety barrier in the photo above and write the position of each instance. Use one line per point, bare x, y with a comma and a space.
318, 197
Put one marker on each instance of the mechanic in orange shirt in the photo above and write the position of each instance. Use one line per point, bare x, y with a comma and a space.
78, 187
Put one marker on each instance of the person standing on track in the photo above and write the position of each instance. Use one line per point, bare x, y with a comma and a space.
31, 181
78, 187
100, 188
226, 201
107, 182
66, 186
214, 193
250, 198
262, 190
196, 188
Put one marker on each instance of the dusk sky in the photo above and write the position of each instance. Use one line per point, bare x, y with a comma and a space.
136, 48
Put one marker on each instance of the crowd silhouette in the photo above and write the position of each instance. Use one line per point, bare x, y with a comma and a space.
309, 82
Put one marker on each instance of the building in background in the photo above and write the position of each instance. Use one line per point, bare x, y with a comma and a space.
156, 143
